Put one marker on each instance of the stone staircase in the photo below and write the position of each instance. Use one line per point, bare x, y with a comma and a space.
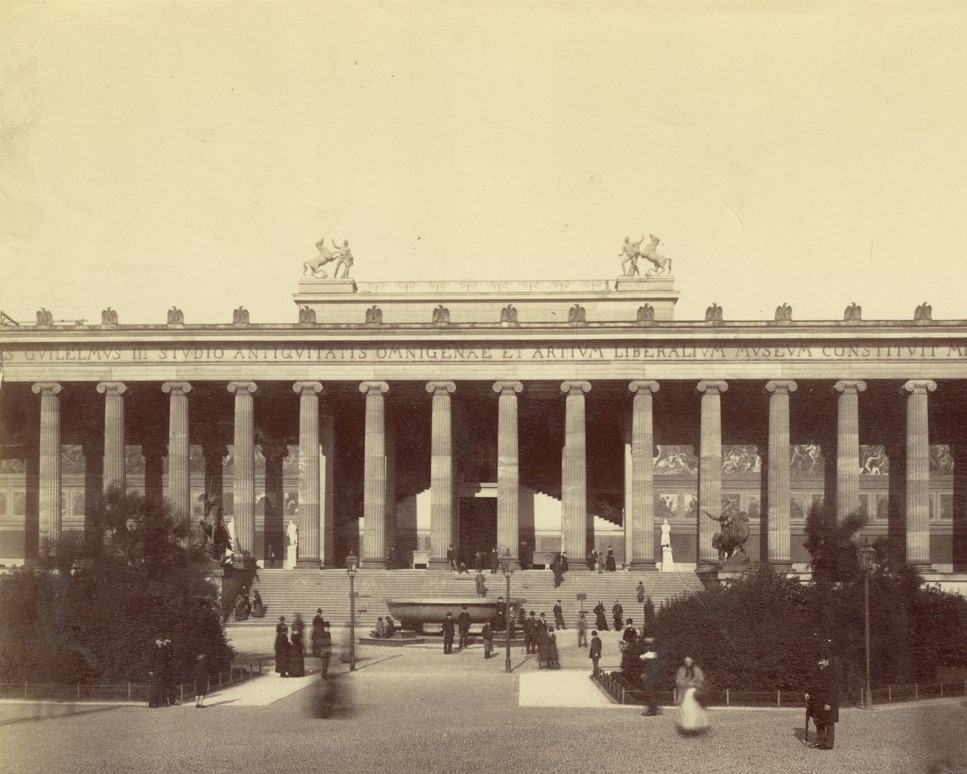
286, 592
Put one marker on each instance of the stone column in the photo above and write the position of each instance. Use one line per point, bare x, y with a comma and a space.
179, 473
113, 434
574, 474
779, 544
508, 470
49, 505
374, 475
327, 511
642, 476
244, 471
308, 549
709, 469
918, 472
441, 473
848, 447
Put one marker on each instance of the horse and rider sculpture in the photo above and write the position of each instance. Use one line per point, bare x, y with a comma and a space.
732, 535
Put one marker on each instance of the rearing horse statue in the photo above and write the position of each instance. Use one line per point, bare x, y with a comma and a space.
662, 264
732, 535
314, 265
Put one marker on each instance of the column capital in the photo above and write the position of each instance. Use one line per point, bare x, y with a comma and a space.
115, 388
274, 448
712, 386
438, 388
575, 387
242, 388
781, 385
48, 388
307, 388
920, 386
850, 385
643, 386
370, 388
182, 388
506, 388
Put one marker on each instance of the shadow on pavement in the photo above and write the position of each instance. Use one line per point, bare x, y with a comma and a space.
44, 712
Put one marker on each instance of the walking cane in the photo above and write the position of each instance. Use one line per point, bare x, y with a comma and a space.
806, 731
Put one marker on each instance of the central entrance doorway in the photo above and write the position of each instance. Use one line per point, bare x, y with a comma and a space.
478, 528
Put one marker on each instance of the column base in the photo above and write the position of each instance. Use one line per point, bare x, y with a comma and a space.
308, 563
436, 563
643, 564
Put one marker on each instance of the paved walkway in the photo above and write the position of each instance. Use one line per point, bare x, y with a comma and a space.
561, 688
258, 691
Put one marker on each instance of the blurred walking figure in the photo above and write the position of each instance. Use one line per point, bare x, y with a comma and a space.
452, 558
317, 627
617, 611
541, 642
325, 650
640, 590
582, 631
553, 658
463, 622
690, 682
594, 652
479, 580
610, 564
488, 640
296, 661
200, 677
298, 628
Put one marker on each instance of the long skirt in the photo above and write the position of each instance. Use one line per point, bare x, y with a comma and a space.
601, 623
297, 664
692, 716
282, 657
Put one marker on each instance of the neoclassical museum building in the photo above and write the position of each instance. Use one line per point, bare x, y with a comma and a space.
407, 417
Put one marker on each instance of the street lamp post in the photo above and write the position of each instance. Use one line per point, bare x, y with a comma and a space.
866, 555
508, 567
352, 562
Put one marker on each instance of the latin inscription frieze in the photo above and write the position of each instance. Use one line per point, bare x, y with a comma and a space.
320, 353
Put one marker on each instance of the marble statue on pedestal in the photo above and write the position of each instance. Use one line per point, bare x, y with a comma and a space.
667, 560
662, 264
630, 253
292, 545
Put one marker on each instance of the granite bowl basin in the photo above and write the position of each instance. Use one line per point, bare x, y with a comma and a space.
415, 612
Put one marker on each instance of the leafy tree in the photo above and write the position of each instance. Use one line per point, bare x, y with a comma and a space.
89, 612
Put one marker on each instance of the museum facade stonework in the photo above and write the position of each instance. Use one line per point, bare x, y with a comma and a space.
403, 418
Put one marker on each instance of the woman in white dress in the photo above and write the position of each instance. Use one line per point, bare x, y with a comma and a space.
692, 716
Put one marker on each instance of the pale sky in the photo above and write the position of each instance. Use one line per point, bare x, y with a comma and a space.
192, 153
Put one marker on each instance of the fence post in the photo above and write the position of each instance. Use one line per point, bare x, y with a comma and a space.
916, 690
778, 698
941, 687
622, 695
889, 693
129, 690
726, 697
181, 687
25, 689
79, 691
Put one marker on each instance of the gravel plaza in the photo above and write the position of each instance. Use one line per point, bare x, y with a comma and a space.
415, 710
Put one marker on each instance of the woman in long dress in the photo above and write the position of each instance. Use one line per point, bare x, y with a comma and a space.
552, 655
282, 648
692, 716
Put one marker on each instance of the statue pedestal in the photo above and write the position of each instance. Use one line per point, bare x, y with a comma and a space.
667, 561
327, 286
290, 557
644, 285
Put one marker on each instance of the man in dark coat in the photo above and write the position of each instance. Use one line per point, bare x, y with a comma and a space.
559, 616
594, 652
448, 631
564, 565
530, 634
452, 558
155, 659
609, 562
478, 561
558, 572
317, 627
649, 676
325, 650
494, 561
168, 675
500, 619
541, 641
463, 623
823, 702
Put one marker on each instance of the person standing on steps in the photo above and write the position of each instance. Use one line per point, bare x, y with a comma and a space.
448, 632
600, 621
610, 564
582, 631
559, 615
452, 558
640, 590
494, 561
617, 612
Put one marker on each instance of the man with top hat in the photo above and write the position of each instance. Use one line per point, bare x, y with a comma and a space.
448, 631
823, 702
463, 623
